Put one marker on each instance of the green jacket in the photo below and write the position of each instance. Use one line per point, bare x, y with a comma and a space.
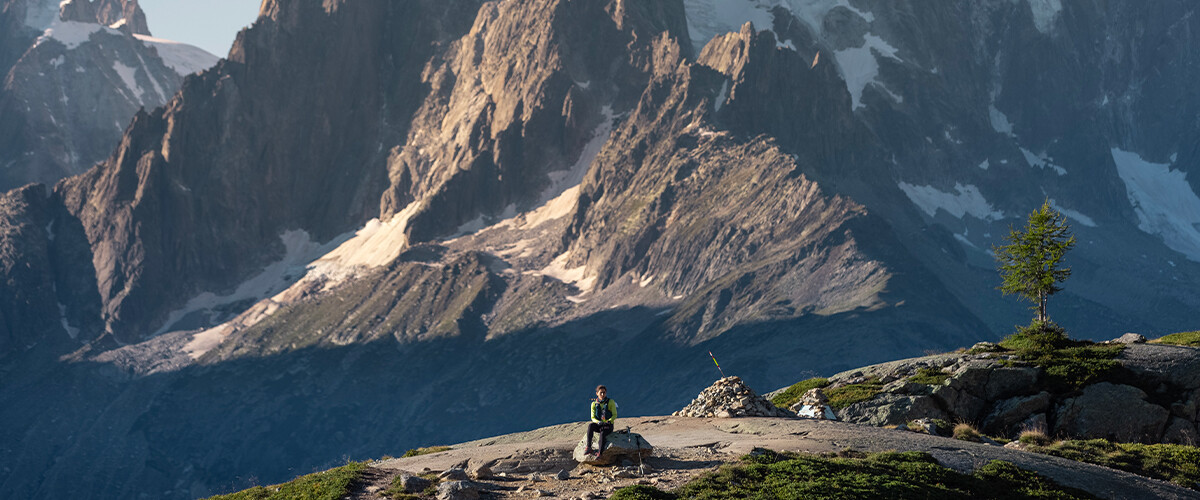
606, 409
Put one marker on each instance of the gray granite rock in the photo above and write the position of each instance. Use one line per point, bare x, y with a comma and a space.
1111, 411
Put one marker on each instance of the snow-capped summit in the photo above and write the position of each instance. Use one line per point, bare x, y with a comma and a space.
79, 71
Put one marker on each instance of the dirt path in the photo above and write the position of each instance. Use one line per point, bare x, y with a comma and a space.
687, 447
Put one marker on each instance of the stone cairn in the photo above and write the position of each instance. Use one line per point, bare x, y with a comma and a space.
730, 397
814, 404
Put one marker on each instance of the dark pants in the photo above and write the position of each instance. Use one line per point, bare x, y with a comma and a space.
603, 429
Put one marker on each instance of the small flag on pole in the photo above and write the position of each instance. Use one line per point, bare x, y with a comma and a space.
714, 358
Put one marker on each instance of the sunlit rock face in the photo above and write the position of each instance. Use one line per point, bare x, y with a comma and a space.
401, 219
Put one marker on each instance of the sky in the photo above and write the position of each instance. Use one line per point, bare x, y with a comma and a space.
209, 24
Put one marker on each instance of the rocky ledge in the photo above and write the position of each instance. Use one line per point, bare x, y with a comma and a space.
1142, 393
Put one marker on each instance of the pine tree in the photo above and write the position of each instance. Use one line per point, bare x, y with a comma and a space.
1031, 262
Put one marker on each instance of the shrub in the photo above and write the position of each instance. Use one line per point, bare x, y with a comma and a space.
1038, 337
846, 395
1035, 437
966, 432
1177, 463
929, 375
792, 394
641, 492
1191, 339
424, 451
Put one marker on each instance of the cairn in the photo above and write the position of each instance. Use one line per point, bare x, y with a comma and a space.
814, 404
730, 397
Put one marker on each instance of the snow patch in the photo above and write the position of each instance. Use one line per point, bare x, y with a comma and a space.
1163, 201
183, 58
576, 276
58, 61
721, 96
128, 76
274, 278
1074, 215
69, 33
560, 197
709, 18
985, 164
376, 244
1000, 121
1044, 13
1042, 161
40, 14
860, 67
967, 201
62, 316
50, 231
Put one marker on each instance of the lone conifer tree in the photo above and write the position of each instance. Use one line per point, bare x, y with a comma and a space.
1031, 261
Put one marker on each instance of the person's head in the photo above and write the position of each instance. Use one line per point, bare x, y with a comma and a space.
601, 392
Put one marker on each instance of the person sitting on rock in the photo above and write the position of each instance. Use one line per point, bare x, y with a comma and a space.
604, 414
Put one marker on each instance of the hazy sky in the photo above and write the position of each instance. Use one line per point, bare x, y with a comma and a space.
208, 24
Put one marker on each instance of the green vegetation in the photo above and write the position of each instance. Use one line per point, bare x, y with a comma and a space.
640, 492
929, 376
424, 451
396, 490
1179, 464
1030, 262
332, 484
846, 395
792, 394
766, 474
1191, 339
966, 432
1069, 364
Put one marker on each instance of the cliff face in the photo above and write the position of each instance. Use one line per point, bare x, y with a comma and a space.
427, 212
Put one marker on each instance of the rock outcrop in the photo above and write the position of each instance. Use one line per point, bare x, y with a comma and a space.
729, 397
1004, 398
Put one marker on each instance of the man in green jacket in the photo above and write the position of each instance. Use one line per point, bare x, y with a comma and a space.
604, 413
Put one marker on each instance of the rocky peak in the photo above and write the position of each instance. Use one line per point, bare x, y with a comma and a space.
125, 15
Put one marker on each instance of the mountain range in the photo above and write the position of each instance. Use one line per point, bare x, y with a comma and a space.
431, 221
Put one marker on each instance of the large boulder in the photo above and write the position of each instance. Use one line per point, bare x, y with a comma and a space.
1181, 431
891, 409
962, 404
1111, 411
1153, 363
730, 397
458, 490
618, 446
1008, 414
410, 483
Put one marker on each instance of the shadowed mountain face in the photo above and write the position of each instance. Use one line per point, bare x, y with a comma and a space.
379, 225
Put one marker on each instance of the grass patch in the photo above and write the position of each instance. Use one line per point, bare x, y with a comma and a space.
640, 492
416, 452
1190, 339
792, 394
332, 484
1176, 463
1069, 364
966, 432
846, 395
929, 376
914, 475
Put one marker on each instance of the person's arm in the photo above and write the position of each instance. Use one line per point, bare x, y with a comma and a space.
595, 417
612, 405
